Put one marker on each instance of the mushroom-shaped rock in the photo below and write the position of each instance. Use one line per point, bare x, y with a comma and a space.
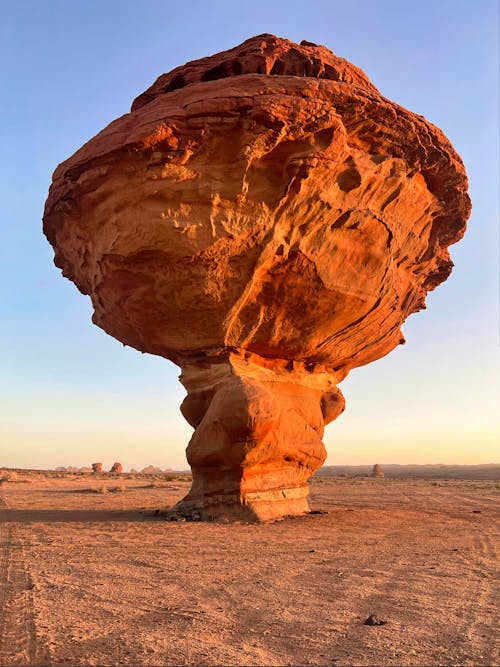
265, 219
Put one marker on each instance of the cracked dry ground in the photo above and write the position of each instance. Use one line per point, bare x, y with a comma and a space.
96, 579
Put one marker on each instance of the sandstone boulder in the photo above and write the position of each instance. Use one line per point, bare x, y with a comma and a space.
97, 467
265, 219
116, 467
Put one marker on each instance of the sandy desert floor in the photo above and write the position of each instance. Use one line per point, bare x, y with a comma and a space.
93, 578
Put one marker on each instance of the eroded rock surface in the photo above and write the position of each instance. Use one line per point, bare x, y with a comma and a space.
266, 219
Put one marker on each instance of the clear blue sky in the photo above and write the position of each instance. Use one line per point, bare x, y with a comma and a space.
70, 394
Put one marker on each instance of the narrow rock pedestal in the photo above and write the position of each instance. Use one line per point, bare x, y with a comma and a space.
258, 428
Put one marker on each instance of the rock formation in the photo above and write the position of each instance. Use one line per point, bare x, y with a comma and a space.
116, 467
97, 467
265, 219
377, 471
153, 470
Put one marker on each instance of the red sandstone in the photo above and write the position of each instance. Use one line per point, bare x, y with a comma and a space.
266, 219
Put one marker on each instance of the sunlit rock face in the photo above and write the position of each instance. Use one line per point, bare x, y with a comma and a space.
267, 220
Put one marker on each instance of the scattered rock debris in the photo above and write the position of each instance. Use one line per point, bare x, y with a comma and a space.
373, 619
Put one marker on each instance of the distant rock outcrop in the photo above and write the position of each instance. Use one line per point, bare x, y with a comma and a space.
116, 467
72, 469
151, 470
377, 471
266, 219
97, 467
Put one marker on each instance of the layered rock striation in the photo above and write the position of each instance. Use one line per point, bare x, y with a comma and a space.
265, 219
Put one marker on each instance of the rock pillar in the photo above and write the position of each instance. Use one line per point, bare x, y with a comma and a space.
258, 435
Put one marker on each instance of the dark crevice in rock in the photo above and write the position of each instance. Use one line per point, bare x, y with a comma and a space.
341, 220
349, 179
223, 71
177, 82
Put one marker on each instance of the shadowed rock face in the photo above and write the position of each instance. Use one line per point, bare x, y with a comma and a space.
267, 220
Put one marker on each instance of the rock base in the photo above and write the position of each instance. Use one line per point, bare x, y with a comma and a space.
257, 441
254, 507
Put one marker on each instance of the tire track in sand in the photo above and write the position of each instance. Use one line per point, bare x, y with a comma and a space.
18, 645
483, 597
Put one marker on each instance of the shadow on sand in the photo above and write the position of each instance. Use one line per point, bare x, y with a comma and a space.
78, 516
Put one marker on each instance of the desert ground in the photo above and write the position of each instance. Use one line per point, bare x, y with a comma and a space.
92, 574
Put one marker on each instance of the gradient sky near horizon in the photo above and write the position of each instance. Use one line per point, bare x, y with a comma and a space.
70, 394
